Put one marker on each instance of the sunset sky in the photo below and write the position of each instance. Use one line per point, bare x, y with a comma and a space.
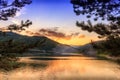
55, 17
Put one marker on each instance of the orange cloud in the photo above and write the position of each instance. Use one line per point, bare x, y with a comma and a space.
71, 39
78, 41
58, 35
81, 36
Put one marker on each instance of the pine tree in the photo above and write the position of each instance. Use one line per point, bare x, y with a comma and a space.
101, 10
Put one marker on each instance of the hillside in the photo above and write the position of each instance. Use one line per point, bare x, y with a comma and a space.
40, 42
88, 49
24, 43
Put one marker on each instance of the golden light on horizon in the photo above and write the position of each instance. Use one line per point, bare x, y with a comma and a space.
69, 40
75, 40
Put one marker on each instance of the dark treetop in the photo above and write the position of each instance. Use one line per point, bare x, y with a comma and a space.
9, 9
99, 9
104, 9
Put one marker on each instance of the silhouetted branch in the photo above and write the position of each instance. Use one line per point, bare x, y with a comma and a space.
10, 9
104, 9
20, 27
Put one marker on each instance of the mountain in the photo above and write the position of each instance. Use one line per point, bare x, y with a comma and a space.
36, 42
40, 42
88, 49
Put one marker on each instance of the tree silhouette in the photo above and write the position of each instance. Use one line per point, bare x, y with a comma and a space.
104, 30
20, 27
104, 10
7, 10
99, 9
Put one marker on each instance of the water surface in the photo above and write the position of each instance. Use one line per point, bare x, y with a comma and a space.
64, 68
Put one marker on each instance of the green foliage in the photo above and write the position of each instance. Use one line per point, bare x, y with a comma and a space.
13, 46
23, 43
111, 32
110, 47
48, 45
9, 48
8, 64
7, 59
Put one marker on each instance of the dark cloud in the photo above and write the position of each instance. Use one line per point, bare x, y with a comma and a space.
49, 32
75, 34
55, 33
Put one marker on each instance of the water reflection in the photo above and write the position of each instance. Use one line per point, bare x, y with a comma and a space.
66, 68
48, 58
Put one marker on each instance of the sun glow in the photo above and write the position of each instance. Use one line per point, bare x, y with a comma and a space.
75, 40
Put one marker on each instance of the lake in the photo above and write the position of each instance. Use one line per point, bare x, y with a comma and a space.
77, 67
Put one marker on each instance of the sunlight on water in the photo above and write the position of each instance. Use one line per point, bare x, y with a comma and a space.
65, 68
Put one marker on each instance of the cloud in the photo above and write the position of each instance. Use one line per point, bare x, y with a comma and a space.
18, 14
81, 36
29, 32
75, 34
15, 21
56, 34
48, 32
21, 12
